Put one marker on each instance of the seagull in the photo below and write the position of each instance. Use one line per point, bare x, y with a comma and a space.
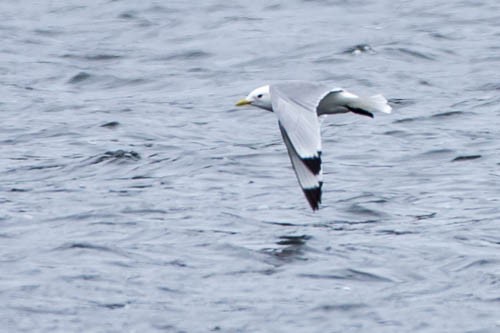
298, 104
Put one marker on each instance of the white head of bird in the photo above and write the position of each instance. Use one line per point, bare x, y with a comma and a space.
260, 97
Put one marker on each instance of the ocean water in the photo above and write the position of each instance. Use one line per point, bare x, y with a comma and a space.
134, 196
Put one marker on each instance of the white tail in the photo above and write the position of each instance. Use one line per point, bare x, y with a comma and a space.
375, 103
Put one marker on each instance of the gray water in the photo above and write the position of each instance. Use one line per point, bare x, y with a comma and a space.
135, 198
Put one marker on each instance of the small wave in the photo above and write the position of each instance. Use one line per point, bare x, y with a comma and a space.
349, 274
86, 246
401, 101
480, 264
293, 248
394, 232
425, 216
362, 210
119, 156
412, 53
188, 55
408, 120
17, 189
359, 49
113, 306
93, 57
103, 81
465, 158
111, 124
82, 76
447, 114
344, 307
293, 240
437, 152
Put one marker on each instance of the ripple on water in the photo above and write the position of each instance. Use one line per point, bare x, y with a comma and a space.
81, 76
111, 124
188, 55
412, 53
93, 57
448, 114
117, 156
85, 246
465, 158
359, 49
290, 248
342, 307
86, 79
349, 274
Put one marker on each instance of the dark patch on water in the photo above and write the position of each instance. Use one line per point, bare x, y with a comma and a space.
282, 224
395, 232
94, 57
465, 158
243, 19
112, 306
425, 216
350, 274
111, 124
292, 248
343, 307
47, 32
437, 152
40, 167
359, 48
363, 210
412, 53
16, 189
128, 15
82, 76
188, 55
84, 277
286, 254
448, 114
408, 120
401, 101
489, 86
141, 177
86, 246
293, 240
361, 222
480, 264
169, 290
397, 133
144, 211
117, 156
329, 60
101, 57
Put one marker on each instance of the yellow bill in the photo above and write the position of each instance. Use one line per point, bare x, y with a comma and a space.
243, 102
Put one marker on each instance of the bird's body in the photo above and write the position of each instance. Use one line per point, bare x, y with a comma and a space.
298, 105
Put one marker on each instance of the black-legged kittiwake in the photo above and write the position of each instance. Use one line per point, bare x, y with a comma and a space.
298, 105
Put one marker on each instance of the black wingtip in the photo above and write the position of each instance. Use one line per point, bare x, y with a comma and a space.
313, 163
313, 196
360, 112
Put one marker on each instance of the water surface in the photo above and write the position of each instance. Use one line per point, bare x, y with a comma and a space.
135, 197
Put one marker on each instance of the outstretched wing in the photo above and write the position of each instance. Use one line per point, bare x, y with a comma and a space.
300, 129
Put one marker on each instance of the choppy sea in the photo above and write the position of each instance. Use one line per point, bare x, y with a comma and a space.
134, 196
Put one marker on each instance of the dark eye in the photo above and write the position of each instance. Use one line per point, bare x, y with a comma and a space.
259, 96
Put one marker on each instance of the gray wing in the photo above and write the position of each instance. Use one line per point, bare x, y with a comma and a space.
306, 94
295, 105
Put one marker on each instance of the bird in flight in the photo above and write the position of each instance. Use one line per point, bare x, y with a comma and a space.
298, 104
